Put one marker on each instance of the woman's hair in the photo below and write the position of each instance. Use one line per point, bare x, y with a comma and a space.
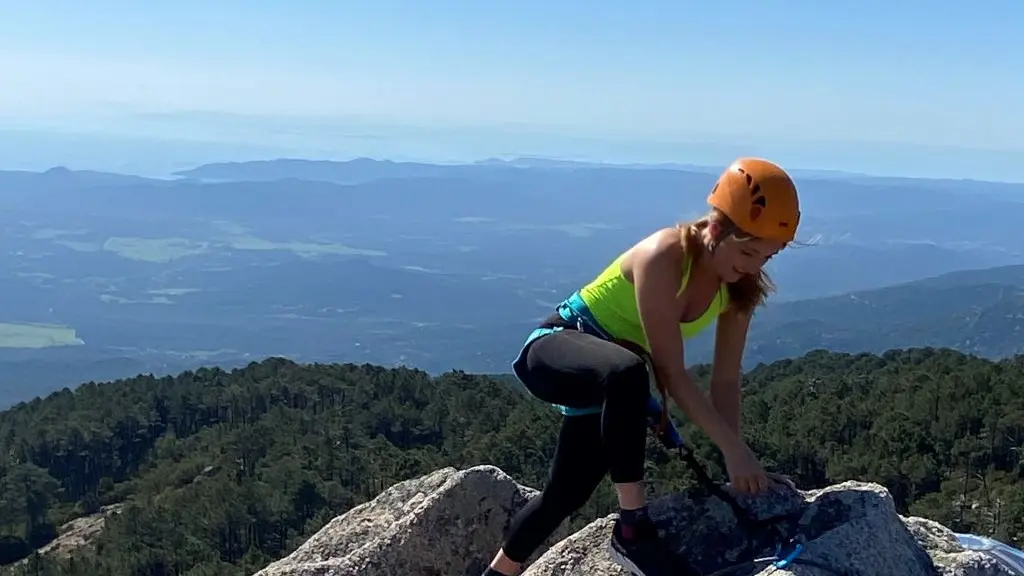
745, 294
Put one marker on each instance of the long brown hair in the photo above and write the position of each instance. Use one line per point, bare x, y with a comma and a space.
745, 294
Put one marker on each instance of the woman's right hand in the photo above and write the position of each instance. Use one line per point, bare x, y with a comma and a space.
745, 472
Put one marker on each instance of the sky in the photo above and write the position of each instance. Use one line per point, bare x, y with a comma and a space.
786, 76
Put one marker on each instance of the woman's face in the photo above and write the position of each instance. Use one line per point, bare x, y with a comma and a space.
732, 259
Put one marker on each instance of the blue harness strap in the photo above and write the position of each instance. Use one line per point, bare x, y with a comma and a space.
519, 364
574, 311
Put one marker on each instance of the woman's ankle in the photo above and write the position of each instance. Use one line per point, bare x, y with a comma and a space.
502, 566
631, 495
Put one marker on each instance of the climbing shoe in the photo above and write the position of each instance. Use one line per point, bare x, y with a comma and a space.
645, 553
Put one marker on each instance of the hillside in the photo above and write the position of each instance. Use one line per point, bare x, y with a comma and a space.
109, 275
417, 319
222, 472
974, 311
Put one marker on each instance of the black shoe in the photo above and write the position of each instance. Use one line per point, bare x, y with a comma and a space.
645, 554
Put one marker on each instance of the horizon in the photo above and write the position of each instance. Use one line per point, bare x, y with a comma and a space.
808, 173
810, 85
159, 144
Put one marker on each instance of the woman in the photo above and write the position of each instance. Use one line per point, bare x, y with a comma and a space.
590, 359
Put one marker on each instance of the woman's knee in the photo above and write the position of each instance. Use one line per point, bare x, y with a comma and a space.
628, 381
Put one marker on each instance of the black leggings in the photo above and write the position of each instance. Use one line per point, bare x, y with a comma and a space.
579, 370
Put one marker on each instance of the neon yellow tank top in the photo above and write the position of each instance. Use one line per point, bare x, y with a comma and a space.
611, 299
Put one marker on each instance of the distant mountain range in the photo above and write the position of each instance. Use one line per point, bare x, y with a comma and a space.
448, 266
366, 169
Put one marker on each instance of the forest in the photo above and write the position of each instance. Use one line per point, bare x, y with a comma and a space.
218, 472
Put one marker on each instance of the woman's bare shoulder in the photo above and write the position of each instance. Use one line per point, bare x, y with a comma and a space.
662, 246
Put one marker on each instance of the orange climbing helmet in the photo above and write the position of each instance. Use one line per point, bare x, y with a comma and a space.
759, 197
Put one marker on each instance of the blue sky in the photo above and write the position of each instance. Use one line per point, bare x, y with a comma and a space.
789, 71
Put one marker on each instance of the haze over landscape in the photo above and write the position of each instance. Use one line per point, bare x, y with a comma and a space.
444, 267
282, 183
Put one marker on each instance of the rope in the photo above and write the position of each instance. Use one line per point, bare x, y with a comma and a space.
754, 527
